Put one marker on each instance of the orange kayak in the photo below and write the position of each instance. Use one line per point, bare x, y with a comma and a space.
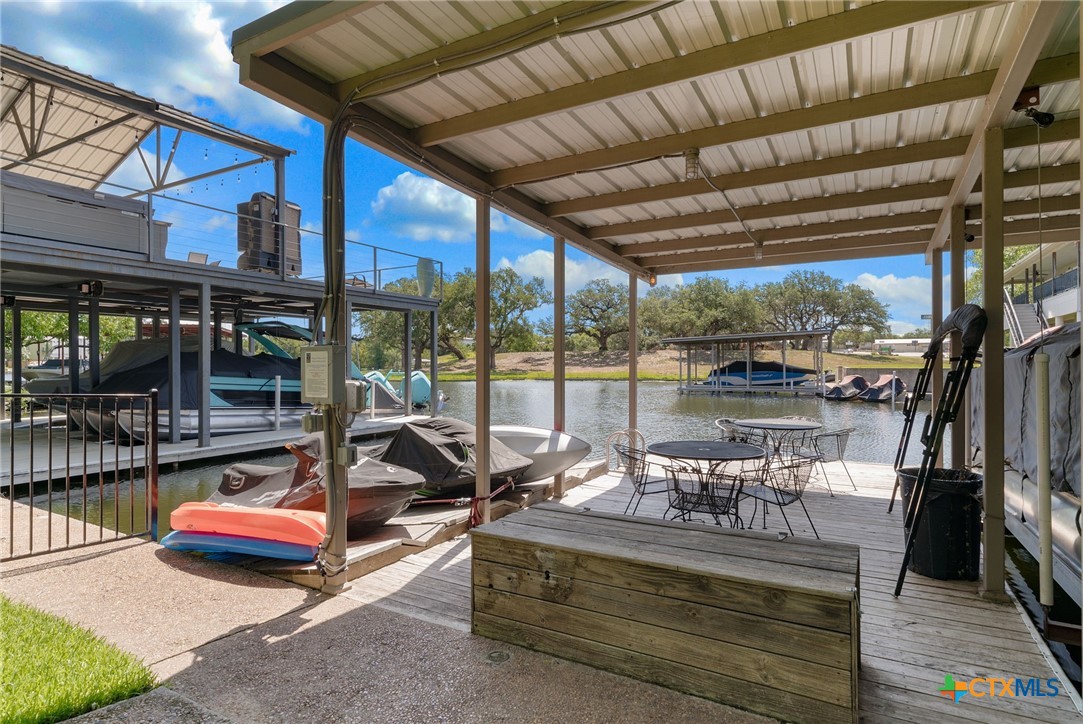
305, 527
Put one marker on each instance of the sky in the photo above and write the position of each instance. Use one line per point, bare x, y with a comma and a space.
179, 53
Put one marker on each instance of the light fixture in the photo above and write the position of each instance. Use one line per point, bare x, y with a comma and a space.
91, 288
652, 279
691, 164
1041, 119
757, 250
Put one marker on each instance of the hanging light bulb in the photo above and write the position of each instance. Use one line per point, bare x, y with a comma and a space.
691, 164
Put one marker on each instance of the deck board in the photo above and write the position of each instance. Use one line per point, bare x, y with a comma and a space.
907, 644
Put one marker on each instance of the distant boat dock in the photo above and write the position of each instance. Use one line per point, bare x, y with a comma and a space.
772, 378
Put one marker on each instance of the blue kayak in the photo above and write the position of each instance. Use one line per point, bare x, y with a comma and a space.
185, 540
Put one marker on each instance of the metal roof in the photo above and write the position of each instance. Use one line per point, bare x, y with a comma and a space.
827, 130
751, 337
64, 126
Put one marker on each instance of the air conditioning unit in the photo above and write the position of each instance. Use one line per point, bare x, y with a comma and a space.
257, 235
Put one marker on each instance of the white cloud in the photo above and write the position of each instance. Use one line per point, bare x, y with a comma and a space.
423, 209
176, 52
539, 263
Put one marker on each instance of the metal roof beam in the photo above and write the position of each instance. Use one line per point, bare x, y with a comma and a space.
291, 22
781, 43
949, 90
1029, 32
295, 88
884, 158
875, 197
88, 87
549, 23
748, 261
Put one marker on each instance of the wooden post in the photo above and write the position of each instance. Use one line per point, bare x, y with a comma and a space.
482, 347
94, 332
559, 372
433, 361
633, 354
73, 344
992, 241
960, 429
937, 318
408, 363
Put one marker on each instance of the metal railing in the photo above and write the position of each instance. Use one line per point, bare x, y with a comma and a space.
1066, 281
73, 475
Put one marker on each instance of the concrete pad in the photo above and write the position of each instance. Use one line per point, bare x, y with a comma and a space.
160, 706
148, 600
347, 661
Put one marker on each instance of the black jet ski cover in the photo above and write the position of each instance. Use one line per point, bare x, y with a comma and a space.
442, 449
266, 486
377, 491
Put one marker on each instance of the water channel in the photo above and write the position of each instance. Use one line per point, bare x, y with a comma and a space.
594, 410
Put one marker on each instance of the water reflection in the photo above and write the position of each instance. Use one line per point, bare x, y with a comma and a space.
597, 408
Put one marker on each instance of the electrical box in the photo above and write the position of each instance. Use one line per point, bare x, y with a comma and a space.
323, 374
355, 396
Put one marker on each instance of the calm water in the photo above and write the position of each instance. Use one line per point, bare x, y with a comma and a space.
594, 410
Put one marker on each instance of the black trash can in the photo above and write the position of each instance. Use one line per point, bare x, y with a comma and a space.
948, 543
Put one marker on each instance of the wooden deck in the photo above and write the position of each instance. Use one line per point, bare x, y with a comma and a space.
908, 644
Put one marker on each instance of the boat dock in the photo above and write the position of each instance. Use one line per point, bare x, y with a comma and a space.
41, 456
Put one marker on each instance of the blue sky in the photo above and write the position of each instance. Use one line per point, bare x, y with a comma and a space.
178, 53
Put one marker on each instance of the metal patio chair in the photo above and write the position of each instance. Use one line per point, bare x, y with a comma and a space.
637, 467
784, 484
712, 492
831, 447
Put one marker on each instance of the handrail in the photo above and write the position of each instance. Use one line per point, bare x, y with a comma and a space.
1014, 327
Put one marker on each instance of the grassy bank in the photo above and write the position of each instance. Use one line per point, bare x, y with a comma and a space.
54, 670
661, 365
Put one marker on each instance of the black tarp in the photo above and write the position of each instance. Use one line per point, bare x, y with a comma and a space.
847, 389
443, 450
378, 490
224, 363
883, 389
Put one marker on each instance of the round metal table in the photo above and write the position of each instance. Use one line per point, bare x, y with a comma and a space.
779, 424
706, 450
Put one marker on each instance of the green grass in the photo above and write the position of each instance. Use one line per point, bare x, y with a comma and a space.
53, 670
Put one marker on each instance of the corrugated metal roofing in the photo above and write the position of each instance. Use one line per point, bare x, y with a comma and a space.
575, 117
64, 126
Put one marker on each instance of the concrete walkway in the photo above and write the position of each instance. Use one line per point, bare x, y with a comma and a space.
232, 645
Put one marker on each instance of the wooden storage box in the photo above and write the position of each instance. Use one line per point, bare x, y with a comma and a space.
742, 618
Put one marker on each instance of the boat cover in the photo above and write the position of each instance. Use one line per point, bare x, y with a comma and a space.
760, 370
847, 389
378, 491
442, 449
880, 391
1020, 424
224, 363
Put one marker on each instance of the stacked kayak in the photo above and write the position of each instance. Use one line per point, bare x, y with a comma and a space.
271, 532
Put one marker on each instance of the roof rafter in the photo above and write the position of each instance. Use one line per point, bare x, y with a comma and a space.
915, 153
1029, 33
545, 25
949, 90
781, 43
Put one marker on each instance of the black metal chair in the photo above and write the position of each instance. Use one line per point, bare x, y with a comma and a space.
783, 484
712, 492
637, 468
831, 447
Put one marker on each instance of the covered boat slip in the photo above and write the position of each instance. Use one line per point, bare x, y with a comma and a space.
64, 454
907, 645
731, 365
77, 243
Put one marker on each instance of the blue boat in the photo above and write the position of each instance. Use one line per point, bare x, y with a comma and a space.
764, 374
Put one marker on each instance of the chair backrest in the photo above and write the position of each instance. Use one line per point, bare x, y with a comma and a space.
729, 431
832, 445
628, 438
792, 475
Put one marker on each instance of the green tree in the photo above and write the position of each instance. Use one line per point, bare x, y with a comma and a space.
383, 333
456, 317
599, 311
511, 299
814, 300
973, 286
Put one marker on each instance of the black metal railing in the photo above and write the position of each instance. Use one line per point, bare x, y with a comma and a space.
1066, 281
79, 470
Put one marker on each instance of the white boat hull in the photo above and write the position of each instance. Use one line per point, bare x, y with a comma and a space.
224, 421
551, 451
